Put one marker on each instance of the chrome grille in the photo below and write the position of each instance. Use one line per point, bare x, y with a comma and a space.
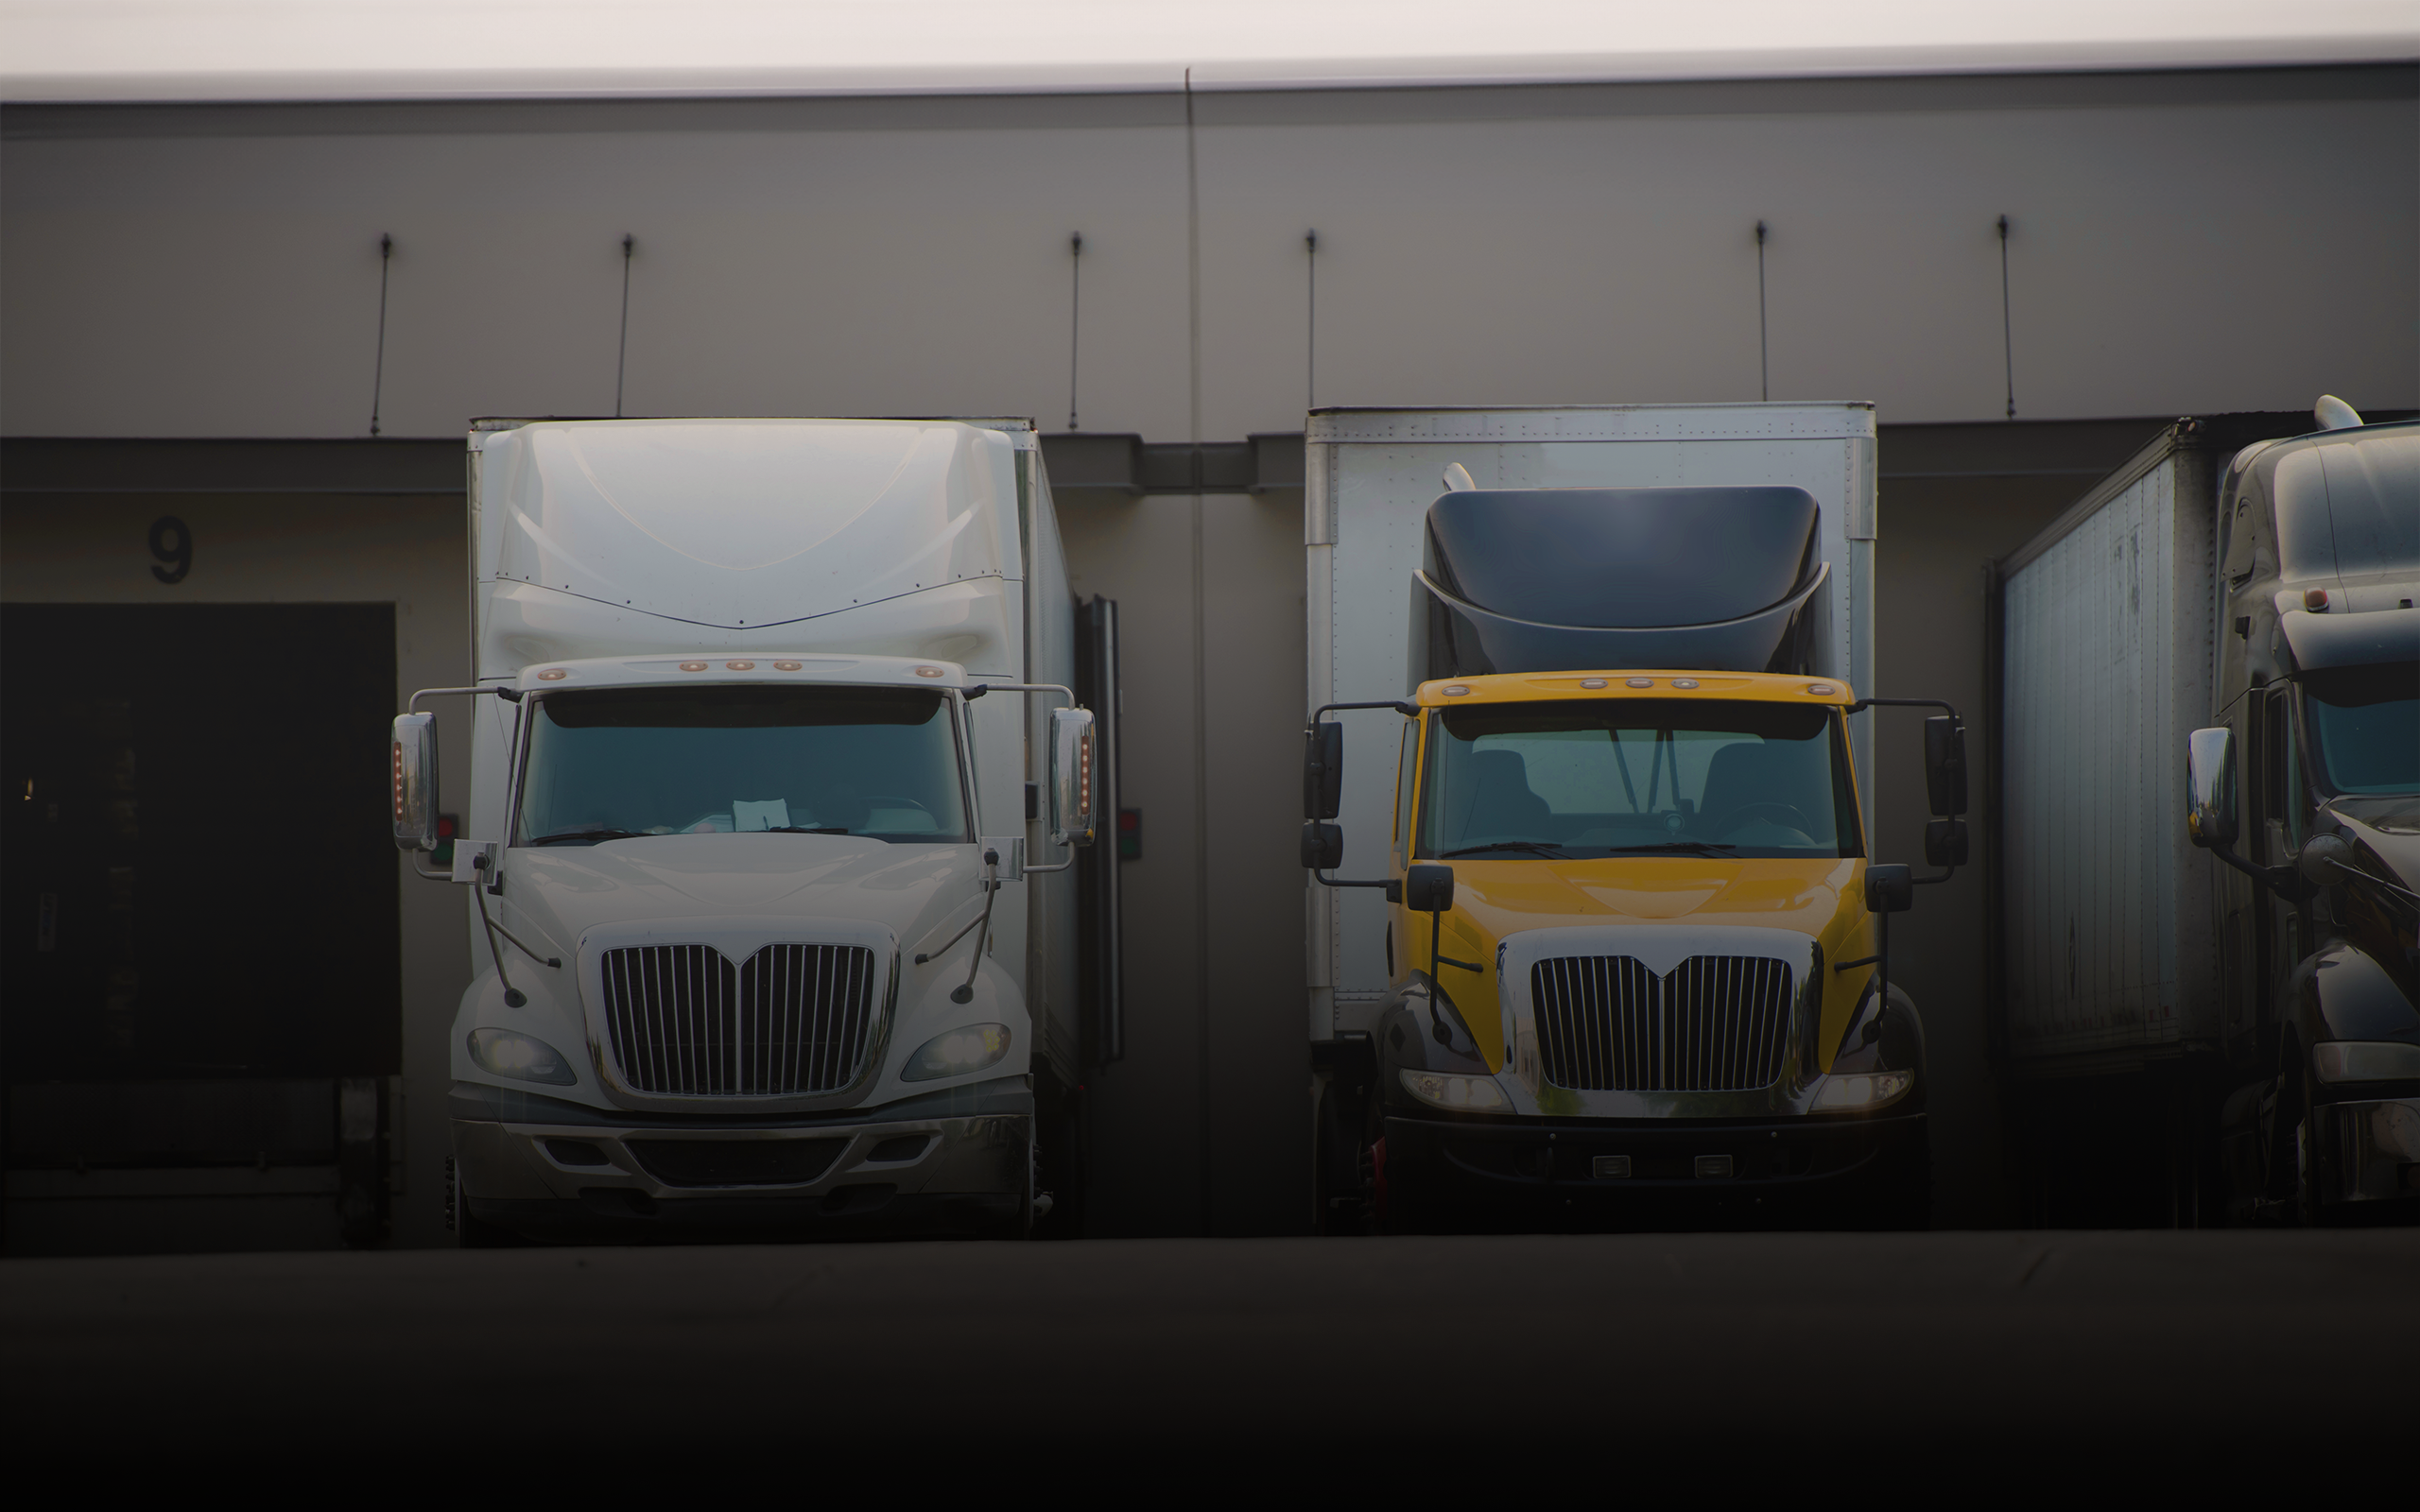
794, 1021
1716, 1023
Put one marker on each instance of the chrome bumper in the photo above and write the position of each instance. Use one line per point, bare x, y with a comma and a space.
2376, 1149
512, 1161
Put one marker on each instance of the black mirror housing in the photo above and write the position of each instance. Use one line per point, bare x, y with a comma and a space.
1890, 889
1945, 765
1429, 889
1323, 770
1323, 845
1945, 843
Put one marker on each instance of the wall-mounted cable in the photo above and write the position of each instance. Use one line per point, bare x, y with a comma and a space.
1764, 345
2008, 335
622, 355
378, 366
1075, 313
1310, 319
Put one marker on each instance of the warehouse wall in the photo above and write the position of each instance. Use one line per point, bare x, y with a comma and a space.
214, 271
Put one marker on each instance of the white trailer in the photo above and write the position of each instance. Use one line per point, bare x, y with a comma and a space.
773, 930
1371, 475
2106, 656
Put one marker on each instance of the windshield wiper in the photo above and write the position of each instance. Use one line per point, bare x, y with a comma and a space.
569, 835
801, 828
1534, 847
1703, 847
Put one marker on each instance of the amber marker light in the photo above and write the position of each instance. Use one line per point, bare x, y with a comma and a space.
1592, 682
693, 666
1821, 689
788, 666
1456, 691
553, 675
1640, 683
1684, 682
739, 666
929, 672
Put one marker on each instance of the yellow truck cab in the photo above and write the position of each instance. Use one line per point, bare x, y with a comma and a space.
1637, 950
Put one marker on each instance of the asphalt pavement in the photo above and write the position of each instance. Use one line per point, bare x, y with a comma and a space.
2202, 1349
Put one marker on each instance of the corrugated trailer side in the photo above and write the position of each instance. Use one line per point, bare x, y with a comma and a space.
2105, 956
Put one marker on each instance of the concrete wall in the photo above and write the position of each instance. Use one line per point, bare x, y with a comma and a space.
215, 272
1204, 1126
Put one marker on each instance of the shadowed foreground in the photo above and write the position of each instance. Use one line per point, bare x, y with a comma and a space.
1872, 1347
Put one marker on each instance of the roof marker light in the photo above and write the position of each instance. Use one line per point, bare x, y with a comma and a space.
1821, 689
1592, 682
1684, 682
929, 672
553, 675
1456, 691
788, 666
693, 666
1641, 682
739, 666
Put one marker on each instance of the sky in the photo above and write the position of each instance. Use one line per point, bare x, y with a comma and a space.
354, 49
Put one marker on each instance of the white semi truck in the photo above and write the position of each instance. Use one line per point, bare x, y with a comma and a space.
777, 792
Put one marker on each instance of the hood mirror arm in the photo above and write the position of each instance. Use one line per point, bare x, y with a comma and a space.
964, 991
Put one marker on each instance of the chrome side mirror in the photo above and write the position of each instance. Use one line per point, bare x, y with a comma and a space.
1072, 820
413, 775
2210, 787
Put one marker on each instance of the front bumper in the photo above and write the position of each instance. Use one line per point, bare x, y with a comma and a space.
554, 1171
1566, 1161
2375, 1148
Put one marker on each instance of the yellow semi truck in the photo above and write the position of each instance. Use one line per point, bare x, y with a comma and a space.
1635, 949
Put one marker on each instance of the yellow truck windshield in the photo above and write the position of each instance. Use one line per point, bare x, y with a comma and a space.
1598, 777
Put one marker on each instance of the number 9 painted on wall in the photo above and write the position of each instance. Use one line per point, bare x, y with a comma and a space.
172, 545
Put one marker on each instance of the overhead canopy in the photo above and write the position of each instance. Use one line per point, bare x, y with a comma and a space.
397, 49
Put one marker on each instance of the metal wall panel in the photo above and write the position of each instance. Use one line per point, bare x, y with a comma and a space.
2107, 669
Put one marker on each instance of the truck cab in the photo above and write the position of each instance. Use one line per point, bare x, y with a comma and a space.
1637, 949
777, 788
2306, 788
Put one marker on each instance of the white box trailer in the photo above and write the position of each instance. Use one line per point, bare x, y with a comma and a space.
2105, 664
1371, 475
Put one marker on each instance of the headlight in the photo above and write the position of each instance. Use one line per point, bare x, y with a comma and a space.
2365, 1060
1459, 1094
958, 1052
1864, 1089
502, 1053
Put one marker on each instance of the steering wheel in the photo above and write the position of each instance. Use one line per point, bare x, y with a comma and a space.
1793, 819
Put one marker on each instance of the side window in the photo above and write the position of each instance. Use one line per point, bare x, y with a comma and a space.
1404, 789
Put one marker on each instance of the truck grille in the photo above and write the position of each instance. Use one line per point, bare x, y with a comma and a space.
1716, 1023
794, 1021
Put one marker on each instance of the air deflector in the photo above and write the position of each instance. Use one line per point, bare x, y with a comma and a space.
1550, 579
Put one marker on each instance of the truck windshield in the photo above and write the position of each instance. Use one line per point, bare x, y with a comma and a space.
1637, 775
615, 762
2365, 728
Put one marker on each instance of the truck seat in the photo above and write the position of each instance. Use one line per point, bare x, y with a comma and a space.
1497, 803
1753, 772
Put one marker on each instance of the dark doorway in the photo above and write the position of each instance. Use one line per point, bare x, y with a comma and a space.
198, 893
